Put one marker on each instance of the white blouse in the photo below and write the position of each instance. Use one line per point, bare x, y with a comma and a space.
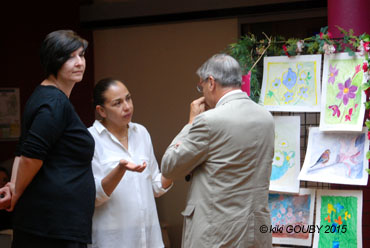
128, 217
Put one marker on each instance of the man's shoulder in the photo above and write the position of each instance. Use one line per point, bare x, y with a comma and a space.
241, 110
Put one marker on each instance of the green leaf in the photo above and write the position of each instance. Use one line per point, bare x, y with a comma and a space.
342, 30
368, 157
368, 170
339, 47
367, 105
365, 86
309, 76
349, 51
367, 123
270, 94
345, 39
324, 29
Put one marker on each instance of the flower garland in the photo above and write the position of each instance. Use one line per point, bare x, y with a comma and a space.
249, 50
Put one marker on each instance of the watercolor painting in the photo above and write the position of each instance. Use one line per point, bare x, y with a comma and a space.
290, 212
286, 162
339, 212
342, 102
336, 157
291, 83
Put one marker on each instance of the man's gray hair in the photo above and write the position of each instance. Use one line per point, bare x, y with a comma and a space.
223, 68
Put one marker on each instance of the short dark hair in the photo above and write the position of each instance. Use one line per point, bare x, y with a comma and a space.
101, 87
57, 48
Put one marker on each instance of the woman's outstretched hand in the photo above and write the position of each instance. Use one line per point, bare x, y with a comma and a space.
131, 166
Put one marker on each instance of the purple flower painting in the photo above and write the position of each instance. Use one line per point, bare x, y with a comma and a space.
342, 100
333, 73
346, 91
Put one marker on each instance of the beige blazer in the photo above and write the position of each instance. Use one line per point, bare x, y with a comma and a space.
229, 151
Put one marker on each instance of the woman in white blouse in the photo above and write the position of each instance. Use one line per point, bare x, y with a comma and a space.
126, 174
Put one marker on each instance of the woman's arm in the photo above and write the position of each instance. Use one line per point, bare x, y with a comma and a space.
15, 169
25, 171
5, 192
110, 181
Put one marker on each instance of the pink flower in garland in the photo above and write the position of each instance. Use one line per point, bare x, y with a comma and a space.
246, 85
333, 73
363, 47
367, 46
322, 35
368, 134
346, 91
286, 50
335, 109
365, 67
328, 49
299, 48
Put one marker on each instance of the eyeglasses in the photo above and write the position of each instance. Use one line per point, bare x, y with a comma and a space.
199, 85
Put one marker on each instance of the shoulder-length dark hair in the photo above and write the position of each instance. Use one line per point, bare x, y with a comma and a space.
57, 48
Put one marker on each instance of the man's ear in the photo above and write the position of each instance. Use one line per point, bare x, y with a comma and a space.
101, 111
212, 83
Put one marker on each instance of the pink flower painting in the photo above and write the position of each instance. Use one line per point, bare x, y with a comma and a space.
336, 110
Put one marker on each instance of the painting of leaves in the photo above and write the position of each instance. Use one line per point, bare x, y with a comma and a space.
340, 214
336, 157
286, 162
342, 107
291, 83
290, 211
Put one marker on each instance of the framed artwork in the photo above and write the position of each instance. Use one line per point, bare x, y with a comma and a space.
336, 157
10, 120
292, 217
291, 83
339, 214
286, 162
342, 102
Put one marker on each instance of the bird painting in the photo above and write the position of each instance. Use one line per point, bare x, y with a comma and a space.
323, 159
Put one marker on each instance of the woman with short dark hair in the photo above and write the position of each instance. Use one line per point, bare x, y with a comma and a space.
53, 190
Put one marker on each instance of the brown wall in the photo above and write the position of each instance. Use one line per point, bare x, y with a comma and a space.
158, 64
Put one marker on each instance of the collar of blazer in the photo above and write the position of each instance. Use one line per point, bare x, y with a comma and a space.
232, 97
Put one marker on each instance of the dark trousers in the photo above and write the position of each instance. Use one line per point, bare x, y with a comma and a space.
27, 240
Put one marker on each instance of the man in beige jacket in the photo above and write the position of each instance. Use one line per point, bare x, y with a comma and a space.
228, 150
